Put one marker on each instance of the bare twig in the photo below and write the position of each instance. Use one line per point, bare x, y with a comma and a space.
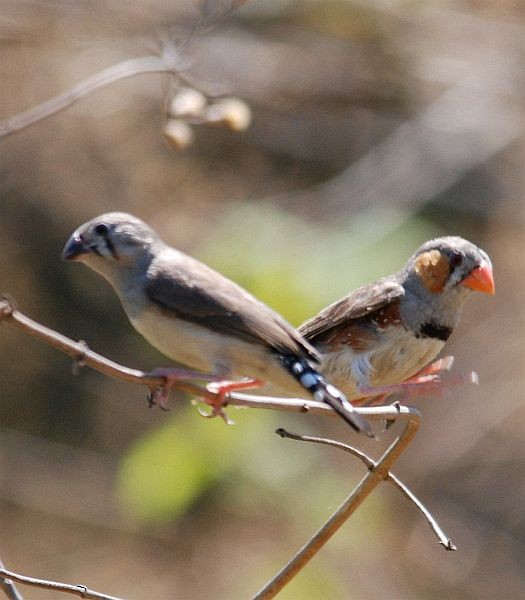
80, 352
232, 113
443, 539
361, 491
76, 590
377, 471
128, 68
8, 587
82, 355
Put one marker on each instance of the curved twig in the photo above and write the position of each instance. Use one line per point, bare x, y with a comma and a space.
377, 471
375, 475
443, 539
77, 590
127, 68
82, 355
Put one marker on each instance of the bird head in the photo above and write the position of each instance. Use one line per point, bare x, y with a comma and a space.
111, 241
450, 263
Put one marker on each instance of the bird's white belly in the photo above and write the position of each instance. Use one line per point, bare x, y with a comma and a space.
393, 360
204, 350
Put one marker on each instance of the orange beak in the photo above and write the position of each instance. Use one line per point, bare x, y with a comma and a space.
481, 279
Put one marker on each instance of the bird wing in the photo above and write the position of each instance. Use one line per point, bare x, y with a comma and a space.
366, 301
196, 293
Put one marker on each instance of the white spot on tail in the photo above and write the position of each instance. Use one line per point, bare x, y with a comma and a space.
319, 396
333, 391
298, 368
308, 380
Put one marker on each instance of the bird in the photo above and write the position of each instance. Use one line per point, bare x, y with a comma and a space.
199, 318
380, 338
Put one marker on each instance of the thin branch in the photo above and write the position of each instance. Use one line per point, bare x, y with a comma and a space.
377, 471
128, 68
82, 355
443, 539
350, 505
76, 590
9, 588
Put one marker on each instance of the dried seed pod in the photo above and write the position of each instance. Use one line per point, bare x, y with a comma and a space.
178, 134
229, 112
188, 102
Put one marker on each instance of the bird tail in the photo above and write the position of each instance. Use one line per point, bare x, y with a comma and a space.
323, 391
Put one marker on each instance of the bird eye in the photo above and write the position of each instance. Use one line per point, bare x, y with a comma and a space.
101, 229
455, 259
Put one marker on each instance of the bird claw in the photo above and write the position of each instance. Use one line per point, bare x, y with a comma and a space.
159, 397
216, 411
221, 389
160, 393
218, 401
427, 382
418, 386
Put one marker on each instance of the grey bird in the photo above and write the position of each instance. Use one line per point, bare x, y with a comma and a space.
199, 318
380, 338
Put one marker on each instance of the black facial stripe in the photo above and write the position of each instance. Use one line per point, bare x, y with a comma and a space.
110, 246
94, 249
433, 330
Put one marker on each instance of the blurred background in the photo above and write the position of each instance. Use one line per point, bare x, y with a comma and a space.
376, 126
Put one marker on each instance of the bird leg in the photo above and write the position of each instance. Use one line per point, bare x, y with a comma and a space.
159, 395
435, 368
221, 389
431, 375
427, 381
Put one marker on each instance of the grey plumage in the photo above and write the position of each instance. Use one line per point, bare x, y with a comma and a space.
200, 295
387, 331
198, 317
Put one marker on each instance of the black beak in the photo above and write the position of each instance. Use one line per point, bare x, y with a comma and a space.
74, 248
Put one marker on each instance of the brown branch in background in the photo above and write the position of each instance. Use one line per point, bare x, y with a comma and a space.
231, 113
444, 540
76, 590
128, 68
8, 587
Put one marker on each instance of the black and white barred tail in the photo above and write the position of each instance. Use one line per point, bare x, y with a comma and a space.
323, 391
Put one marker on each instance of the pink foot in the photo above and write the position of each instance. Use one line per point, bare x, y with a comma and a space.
435, 368
159, 395
417, 386
427, 382
221, 389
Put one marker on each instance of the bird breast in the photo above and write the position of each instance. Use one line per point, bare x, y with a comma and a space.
204, 350
394, 357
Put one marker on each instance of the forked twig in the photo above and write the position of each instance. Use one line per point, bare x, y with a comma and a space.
378, 471
443, 539
376, 474
127, 68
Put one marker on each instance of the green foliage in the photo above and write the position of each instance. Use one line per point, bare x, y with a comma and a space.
168, 468
297, 266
